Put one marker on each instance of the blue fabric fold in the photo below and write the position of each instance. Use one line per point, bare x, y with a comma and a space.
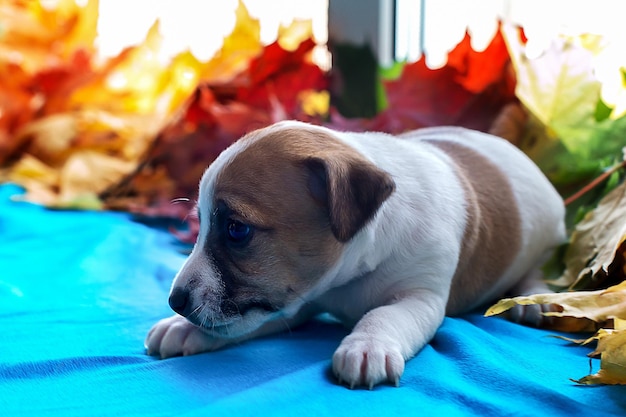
79, 291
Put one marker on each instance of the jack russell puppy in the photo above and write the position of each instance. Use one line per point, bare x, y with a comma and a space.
388, 234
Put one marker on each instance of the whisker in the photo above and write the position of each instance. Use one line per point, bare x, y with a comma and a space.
195, 310
180, 200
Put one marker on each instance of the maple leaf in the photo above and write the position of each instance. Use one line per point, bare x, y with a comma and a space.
35, 37
138, 81
476, 71
238, 48
76, 117
562, 94
291, 36
469, 91
276, 74
35, 47
232, 100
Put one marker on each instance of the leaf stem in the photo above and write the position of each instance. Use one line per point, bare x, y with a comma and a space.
595, 182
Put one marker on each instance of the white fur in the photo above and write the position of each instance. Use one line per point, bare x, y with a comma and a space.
404, 258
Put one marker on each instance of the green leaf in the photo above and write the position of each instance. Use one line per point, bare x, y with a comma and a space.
603, 111
571, 136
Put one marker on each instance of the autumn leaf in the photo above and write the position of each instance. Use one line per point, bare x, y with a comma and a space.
469, 91
291, 36
276, 74
139, 81
95, 147
562, 93
37, 46
599, 305
477, 71
36, 37
76, 117
231, 99
597, 250
612, 350
239, 47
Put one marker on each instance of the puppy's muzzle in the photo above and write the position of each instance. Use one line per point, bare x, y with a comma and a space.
179, 301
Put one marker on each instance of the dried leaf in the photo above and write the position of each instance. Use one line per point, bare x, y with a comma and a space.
87, 173
69, 109
598, 245
599, 306
612, 350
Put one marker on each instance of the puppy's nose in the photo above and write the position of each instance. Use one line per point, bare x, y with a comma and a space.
179, 301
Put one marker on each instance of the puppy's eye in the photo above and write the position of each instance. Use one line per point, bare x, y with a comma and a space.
238, 232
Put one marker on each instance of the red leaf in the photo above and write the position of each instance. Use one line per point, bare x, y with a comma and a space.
478, 70
279, 75
469, 91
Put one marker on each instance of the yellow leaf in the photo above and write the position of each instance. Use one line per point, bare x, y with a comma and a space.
612, 350
72, 157
39, 179
37, 37
559, 88
243, 44
594, 305
88, 173
619, 324
84, 31
50, 137
290, 37
314, 103
182, 79
135, 84
30, 169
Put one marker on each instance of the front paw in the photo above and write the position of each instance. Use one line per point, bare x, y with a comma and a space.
176, 336
364, 360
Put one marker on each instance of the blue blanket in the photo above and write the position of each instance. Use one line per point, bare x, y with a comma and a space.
79, 291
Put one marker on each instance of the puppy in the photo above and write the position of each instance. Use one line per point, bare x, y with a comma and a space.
388, 234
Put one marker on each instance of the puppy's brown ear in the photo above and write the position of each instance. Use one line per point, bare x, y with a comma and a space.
352, 188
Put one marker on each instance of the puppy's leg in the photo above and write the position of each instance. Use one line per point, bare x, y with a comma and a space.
532, 315
177, 336
386, 337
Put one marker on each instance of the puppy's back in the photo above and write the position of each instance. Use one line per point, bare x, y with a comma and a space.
537, 208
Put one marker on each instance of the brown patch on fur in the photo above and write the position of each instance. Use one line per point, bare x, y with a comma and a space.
305, 192
492, 236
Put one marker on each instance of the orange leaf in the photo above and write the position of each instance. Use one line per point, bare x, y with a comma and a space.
36, 37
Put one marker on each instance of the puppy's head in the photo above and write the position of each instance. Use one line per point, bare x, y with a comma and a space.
276, 210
